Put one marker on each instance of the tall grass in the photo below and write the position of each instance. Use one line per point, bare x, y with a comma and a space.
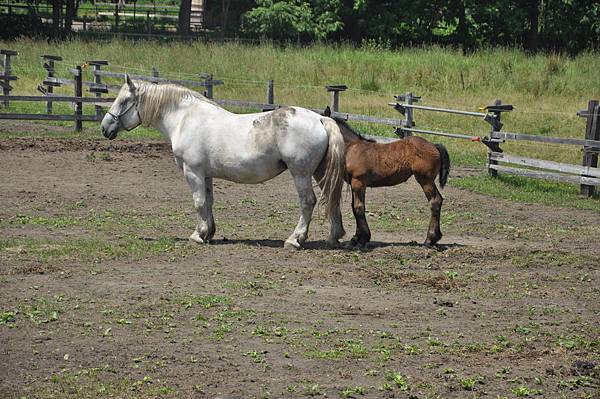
547, 90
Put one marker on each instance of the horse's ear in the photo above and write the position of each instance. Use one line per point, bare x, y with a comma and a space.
327, 111
130, 83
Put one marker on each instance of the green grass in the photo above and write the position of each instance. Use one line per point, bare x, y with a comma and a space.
85, 249
521, 189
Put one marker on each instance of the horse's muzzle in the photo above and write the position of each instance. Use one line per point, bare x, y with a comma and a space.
111, 135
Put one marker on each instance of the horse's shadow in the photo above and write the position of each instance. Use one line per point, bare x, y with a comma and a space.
322, 244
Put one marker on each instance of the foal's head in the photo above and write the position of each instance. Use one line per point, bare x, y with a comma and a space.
350, 135
123, 113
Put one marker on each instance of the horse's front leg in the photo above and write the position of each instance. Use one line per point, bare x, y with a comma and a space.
363, 233
308, 200
197, 182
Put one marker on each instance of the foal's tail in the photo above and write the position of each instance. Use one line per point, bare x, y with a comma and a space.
444, 165
335, 168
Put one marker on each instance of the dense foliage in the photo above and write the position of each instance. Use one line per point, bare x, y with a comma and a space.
555, 25
571, 25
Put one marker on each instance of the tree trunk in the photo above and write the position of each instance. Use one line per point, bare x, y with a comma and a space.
224, 16
56, 15
461, 30
185, 11
70, 13
533, 16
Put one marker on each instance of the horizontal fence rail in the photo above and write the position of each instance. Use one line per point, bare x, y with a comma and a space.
547, 175
58, 98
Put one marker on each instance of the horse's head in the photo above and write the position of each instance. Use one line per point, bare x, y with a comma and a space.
123, 113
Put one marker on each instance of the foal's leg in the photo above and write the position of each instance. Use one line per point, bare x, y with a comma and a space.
197, 183
363, 234
336, 230
307, 204
435, 201
209, 204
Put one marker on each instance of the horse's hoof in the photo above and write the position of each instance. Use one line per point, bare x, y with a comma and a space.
333, 243
357, 242
292, 244
195, 237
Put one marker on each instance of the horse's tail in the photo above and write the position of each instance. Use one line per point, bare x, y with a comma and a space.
335, 168
444, 165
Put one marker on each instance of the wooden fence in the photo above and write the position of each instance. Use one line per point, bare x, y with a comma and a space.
96, 87
587, 175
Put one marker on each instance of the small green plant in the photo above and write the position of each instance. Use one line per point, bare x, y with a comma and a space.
255, 356
451, 274
105, 156
312, 390
350, 392
522, 391
399, 380
467, 383
7, 318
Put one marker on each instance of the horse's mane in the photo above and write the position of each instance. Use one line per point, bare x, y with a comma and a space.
154, 99
346, 128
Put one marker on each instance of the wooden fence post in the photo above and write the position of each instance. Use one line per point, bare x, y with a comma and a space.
490, 161
409, 120
155, 74
78, 93
270, 92
7, 76
98, 88
208, 81
335, 96
148, 21
49, 89
592, 132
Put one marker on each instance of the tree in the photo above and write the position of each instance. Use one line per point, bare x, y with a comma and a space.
185, 13
293, 19
56, 15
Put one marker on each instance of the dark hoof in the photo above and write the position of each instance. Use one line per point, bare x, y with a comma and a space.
358, 243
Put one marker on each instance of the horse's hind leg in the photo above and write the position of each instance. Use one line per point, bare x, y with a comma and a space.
307, 204
209, 204
363, 233
336, 230
197, 183
435, 202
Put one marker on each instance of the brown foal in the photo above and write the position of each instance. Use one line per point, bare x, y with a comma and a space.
371, 164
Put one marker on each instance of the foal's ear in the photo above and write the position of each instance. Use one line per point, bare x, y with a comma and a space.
130, 83
327, 112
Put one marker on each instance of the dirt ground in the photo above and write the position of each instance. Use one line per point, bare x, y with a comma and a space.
103, 296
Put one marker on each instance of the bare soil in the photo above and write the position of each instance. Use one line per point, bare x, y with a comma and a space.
103, 296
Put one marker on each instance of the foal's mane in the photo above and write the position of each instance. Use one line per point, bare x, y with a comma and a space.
154, 99
346, 128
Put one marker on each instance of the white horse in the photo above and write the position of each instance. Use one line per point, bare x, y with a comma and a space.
210, 142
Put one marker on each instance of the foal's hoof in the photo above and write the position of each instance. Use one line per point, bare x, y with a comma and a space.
432, 242
292, 244
358, 243
195, 237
